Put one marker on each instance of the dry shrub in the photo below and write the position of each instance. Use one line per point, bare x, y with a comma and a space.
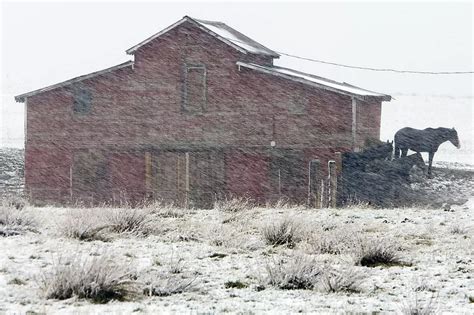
282, 203
331, 241
14, 201
15, 221
170, 211
457, 229
85, 225
98, 278
341, 280
170, 279
133, 221
285, 232
166, 210
169, 286
299, 272
236, 204
375, 252
416, 307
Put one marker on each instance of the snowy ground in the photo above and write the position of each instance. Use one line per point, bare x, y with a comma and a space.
435, 245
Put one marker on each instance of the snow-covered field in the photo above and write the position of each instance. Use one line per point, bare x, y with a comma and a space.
209, 249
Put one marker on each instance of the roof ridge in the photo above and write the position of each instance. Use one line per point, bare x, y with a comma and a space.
219, 30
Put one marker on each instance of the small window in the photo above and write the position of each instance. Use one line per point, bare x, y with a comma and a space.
298, 104
195, 88
82, 101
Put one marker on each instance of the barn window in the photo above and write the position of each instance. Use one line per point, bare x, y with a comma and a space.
195, 88
82, 101
298, 104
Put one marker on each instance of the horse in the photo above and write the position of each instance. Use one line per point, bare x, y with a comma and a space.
426, 140
398, 169
358, 160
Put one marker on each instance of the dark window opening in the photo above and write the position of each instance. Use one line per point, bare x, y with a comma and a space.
82, 101
195, 88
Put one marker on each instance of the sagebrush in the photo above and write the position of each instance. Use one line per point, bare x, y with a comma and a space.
285, 232
298, 272
98, 278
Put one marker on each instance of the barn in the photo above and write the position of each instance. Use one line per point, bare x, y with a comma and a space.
200, 113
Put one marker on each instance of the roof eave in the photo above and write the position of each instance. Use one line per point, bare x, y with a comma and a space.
22, 97
382, 97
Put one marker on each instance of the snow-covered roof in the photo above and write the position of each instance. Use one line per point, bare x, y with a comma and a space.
219, 30
306, 78
21, 98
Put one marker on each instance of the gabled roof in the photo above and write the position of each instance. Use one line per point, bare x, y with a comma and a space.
21, 98
220, 31
313, 80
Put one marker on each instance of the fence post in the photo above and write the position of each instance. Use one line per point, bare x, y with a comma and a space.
313, 179
339, 182
322, 194
332, 183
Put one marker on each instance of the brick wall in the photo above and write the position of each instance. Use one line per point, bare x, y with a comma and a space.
135, 110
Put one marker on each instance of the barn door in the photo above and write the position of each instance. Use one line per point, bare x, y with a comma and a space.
288, 174
193, 179
206, 177
89, 176
168, 176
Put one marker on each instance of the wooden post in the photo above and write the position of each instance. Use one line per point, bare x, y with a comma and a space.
339, 177
322, 194
148, 175
186, 180
332, 183
313, 191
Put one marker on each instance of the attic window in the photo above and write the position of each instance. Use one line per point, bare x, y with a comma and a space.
82, 101
195, 88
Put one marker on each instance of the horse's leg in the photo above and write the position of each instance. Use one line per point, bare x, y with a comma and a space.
397, 152
404, 152
431, 155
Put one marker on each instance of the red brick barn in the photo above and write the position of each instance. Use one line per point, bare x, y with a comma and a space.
200, 113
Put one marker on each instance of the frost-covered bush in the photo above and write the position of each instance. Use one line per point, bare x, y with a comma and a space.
99, 278
416, 307
377, 251
285, 232
282, 203
169, 285
15, 221
341, 280
170, 280
236, 204
14, 201
457, 229
126, 220
299, 272
85, 225
332, 241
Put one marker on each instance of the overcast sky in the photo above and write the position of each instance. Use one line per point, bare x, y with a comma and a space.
45, 43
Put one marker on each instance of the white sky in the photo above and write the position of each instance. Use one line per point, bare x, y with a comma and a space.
45, 43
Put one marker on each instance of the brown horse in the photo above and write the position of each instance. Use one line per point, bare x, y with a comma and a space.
426, 140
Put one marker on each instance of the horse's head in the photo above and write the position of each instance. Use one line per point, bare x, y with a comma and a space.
453, 138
